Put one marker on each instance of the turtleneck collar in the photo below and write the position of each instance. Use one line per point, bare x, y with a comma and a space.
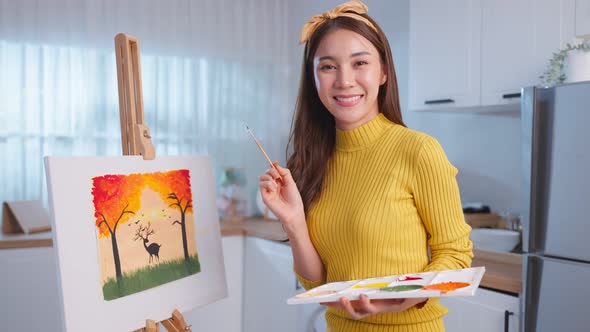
363, 136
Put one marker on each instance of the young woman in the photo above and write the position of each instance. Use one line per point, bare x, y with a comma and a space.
362, 195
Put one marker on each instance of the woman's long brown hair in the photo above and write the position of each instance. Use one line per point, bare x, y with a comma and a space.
313, 130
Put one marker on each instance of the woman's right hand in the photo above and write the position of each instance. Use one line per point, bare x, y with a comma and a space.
281, 196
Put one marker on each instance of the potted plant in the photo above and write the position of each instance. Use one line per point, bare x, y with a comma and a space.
570, 64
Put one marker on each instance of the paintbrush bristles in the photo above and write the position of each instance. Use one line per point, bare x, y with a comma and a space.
249, 131
258, 143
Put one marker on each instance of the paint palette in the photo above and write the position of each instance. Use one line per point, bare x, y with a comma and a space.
463, 282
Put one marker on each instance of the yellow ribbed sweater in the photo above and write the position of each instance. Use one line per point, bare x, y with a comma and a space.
389, 194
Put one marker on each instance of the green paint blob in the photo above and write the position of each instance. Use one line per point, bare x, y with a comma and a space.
401, 288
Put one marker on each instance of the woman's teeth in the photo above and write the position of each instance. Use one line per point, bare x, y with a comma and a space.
349, 99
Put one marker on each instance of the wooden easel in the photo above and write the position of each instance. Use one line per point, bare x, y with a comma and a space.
135, 135
174, 324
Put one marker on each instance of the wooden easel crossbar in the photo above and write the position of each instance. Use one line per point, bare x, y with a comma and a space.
135, 134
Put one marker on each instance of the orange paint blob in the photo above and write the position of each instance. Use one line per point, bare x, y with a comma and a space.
446, 287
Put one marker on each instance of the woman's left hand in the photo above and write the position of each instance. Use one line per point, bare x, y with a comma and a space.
365, 307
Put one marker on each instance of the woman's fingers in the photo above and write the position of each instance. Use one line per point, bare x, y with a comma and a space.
284, 172
355, 309
273, 173
361, 308
269, 185
352, 312
265, 177
366, 305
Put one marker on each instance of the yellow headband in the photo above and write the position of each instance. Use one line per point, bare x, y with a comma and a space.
351, 9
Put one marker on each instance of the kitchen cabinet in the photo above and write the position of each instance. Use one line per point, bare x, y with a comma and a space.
518, 38
583, 18
29, 297
487, 311
311, 318
268, 282
226, 314
444, 53
478, 54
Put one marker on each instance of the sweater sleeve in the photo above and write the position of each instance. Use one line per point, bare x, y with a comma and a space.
308, 284
439, 205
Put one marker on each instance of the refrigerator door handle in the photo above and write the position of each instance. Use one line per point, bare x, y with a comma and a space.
507, 315
527, 109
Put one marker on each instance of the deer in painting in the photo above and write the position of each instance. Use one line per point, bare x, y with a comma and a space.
143, 233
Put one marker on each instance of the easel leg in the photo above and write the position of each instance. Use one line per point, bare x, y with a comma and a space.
174, 324
150, 326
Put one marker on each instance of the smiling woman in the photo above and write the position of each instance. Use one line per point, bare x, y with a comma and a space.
362, 195
347, 68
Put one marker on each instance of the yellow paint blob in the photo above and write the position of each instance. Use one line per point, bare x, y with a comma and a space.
373, 285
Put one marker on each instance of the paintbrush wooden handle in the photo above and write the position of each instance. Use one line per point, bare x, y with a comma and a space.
269, 161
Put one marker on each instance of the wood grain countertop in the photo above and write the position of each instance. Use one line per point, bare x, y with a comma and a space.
257, 227
503, 270
11, 241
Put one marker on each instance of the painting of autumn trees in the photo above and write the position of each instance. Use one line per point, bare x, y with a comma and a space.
145, 230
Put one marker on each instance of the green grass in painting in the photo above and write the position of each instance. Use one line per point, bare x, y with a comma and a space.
150, 276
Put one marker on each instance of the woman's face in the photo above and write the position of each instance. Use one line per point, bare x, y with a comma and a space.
348, 73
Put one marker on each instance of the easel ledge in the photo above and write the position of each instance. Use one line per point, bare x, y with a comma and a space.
135, 135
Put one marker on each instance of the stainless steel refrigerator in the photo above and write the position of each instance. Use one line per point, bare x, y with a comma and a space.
556, 208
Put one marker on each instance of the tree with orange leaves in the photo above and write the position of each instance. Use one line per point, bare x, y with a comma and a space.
115, 197
175, 186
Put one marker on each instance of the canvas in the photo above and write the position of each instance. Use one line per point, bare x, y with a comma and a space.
135, 239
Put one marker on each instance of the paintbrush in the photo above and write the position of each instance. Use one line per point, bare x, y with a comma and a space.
280, 179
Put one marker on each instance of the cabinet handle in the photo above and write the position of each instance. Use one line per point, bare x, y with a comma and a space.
507, 315
511, 95
438, 101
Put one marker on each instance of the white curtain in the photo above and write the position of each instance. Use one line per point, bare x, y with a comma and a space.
208, 66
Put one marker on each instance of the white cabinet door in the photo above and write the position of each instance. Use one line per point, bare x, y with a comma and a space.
583, 18
487, 311
444, 53
311, 318
269, 281
224, 315
518, 39
29, 295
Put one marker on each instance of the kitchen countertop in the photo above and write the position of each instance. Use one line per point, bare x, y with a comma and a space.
258, 227
10, 241
262, 228
503, 270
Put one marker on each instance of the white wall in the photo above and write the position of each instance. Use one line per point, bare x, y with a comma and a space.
485, 148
